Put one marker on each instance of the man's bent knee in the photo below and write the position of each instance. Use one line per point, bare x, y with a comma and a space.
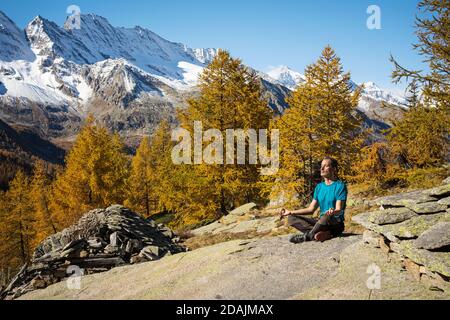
325, 220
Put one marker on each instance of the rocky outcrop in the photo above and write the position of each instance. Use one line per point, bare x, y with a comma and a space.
365, 273
271, 268
101, 240
416, 226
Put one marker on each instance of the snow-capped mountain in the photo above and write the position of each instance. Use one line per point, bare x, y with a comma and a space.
98, 40
291, 79
51, 77
286, 76
58, 73
370, 89
203, 55
13, 43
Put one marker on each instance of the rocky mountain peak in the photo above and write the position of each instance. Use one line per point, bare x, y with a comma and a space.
286, 76
372, 90
13, 43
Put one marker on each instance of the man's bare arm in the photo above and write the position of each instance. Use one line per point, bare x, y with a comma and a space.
310, 210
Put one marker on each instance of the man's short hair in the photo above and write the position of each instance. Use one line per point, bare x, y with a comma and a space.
333, 161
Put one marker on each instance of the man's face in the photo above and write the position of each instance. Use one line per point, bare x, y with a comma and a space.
326, 170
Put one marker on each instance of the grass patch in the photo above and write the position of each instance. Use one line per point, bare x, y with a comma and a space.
164, 218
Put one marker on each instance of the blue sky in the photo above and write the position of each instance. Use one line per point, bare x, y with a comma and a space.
262, 33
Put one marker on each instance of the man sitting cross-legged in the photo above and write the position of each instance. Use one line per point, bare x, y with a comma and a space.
330, 195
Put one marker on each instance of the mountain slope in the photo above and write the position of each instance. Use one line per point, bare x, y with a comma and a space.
19, 148
98, 40
13, 43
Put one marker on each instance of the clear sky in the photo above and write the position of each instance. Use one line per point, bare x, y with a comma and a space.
263, 33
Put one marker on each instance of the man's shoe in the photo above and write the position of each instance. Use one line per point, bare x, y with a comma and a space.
298, 238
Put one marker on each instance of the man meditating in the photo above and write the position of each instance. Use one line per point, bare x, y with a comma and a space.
330, 195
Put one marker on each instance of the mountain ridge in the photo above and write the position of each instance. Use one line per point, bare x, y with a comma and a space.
128, 78
291, 79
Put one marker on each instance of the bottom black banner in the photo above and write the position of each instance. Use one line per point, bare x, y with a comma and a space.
206, 309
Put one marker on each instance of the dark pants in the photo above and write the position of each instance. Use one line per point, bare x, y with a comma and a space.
311, 226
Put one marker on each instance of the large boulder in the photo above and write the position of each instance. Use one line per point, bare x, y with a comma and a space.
390, 216
445, 201
403, 199
440, 191
436, 237
243, 209
427, 208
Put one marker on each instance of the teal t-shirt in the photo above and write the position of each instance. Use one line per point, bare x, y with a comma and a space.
328, 195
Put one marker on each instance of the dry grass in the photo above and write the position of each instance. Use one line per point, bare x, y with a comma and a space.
414, 179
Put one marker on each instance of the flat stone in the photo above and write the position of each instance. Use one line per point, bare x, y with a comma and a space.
229, 219
166, 231
96, 243
258, 225
243, 209
390, 216
433, 261
438, 236
446, 181
133, 245
414, 227
408, 229
427, 208
363, 220
445, 201
111, 249
75, 245
113, 239
244, 226
440, 192
207, 229
267, 224
403, 199
150, 252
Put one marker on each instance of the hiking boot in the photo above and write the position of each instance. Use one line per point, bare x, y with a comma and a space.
298, 238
